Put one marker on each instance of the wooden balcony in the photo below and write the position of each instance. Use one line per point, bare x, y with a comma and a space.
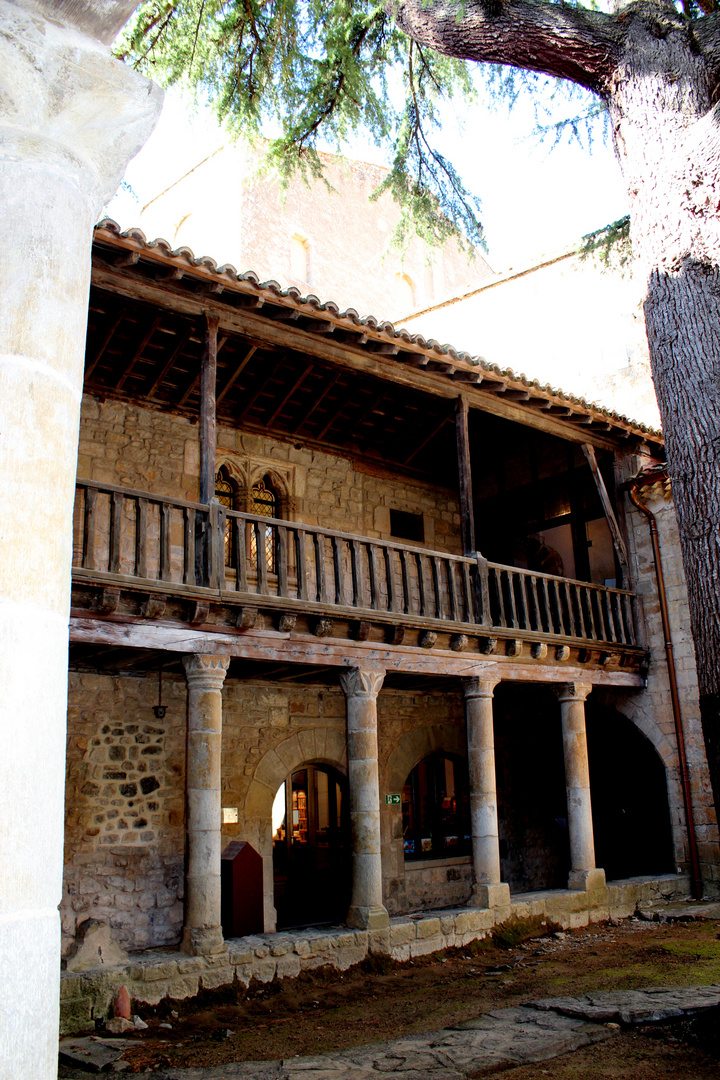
139, 554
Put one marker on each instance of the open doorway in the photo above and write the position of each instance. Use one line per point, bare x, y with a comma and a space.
311, 848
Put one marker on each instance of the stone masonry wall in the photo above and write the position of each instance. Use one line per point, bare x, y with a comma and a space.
651, 709
155, 451
124, 832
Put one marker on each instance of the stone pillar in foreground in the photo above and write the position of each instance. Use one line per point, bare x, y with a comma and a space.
488, 889
71, 117
583, 873
205, 674
361, 688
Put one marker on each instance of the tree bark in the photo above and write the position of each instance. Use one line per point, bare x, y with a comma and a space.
659, 74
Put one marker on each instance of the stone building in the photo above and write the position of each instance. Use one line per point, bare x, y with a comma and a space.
383, 611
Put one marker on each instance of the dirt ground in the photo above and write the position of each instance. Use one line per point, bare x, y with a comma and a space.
325, 1010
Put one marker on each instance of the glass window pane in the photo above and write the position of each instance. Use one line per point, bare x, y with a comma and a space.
322, 800
279, 814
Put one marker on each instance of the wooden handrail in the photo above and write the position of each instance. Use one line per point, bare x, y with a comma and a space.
134, 534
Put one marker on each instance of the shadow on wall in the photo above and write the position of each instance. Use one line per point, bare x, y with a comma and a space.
631, 817
532, 807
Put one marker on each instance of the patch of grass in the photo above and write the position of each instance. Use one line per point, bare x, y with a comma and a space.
515, 931
704, 950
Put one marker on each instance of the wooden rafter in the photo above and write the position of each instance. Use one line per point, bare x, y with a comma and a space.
106, 341
139, 351
296, 386
184, 338
238, 371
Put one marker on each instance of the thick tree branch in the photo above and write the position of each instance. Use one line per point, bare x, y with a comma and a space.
553, 39
706, 32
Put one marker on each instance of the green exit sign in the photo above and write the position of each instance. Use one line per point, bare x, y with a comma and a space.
392, 800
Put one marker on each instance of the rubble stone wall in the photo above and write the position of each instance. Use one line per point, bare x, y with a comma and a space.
124, 823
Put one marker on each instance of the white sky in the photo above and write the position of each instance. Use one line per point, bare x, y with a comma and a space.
534, 200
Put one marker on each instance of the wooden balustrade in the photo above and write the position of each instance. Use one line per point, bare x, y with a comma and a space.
122, 534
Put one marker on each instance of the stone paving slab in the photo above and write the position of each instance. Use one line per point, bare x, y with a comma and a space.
635, 1006
534, 1032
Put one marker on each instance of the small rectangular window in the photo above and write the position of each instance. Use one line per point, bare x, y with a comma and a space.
406, 526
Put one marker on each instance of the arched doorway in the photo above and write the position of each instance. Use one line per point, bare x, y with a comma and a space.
631, 817
311, 848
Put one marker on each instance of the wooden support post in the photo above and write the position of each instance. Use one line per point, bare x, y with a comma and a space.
208, 435
467, 510
617, 537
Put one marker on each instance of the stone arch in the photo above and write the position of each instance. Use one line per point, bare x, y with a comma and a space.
411, 748
317, 745
236, 472
629, 776
417, 744
279, 485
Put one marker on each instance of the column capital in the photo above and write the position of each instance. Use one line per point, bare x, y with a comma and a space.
68, 105
206, 671
362, 682
480, 686
573, 691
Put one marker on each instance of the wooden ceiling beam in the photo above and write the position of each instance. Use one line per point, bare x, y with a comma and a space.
196, 379
138, 352
338, 375
184, 338
428, 438
296, 386
250, 324
237, 372
89, 368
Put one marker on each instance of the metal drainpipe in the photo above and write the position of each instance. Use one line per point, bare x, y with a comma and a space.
697, 888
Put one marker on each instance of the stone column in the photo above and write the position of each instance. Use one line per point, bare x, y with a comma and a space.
202, 933
488, 890
583, 873
70, 119
361, 688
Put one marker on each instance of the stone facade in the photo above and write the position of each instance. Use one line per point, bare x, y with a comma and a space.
154, 451
125, 818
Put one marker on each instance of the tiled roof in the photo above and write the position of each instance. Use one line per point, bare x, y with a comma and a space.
377, 336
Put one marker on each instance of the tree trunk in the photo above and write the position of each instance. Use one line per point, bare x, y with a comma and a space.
666, 136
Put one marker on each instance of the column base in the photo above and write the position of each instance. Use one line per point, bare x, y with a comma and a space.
205, 941
587, 880
490, 896
368, 918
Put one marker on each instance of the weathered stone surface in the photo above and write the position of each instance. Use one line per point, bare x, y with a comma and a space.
89, 1054
95, 948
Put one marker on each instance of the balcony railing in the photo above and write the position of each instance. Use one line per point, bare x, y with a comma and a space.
127, 536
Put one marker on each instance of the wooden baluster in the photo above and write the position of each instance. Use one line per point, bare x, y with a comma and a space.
141, 508
116, 505
628, 620
497, 581
165, 518
604, 612
468, 611
358, 585
338, 574
585, 629
405, 581
320, 578
188, 546
302, 587
239, 549
435, 572
617, 629
261, 558
421, 584
452, 590
217, 540
536, 623
372, 575
589, 601
549, 620
390, 578
511, 595
282, 567
521, 600
89, 529
575, 625
483, 591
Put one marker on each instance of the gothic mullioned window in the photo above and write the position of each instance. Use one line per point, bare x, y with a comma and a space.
264, 501
226, 495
